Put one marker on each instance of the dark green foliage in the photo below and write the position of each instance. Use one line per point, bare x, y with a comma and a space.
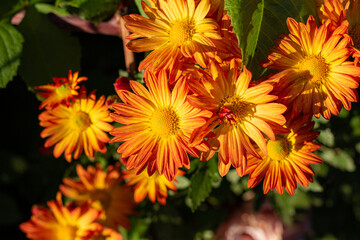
93, 10
10, 52
48, 51
201, 183
258, 23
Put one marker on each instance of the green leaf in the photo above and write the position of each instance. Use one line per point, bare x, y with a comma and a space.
258, 24
313, 187
48, 8
11, 44
93, 10
201, 183
327, 137
284, 207
48, 51
141, 11
182, 182
98, 11
338, 158
355, 125
72, 3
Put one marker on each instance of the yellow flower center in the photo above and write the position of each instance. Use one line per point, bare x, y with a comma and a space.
63, 91
314, 69
164, 122
66, 232
234, 109
279, 148
181, 32
80, 121
354, 32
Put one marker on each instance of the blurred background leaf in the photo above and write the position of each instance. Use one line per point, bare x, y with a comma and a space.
48, 51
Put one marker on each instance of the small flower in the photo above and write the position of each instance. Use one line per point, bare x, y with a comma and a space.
61, 222
102, 190
155, 186
288, 160
64, 90
80, 126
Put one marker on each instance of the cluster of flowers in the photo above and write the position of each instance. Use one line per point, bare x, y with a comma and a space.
100, 206
199, 99
101, 202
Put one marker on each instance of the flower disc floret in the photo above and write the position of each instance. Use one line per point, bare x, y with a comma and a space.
315, 70
182, 32
165, 122
278, 149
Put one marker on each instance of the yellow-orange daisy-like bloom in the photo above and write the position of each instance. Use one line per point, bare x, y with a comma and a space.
81, 126
288, 160
61, 92
155, 186
244, 113
102, 190
157, 126
174, 29
61, 222
314, 77
338, 11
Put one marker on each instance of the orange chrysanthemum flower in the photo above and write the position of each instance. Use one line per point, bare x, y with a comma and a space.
61, 222
80, 126
61, 92
288, 160
338, 11
335, 10
175, 28
102, 190
155, 186
158, 125
314, 76
244, 113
